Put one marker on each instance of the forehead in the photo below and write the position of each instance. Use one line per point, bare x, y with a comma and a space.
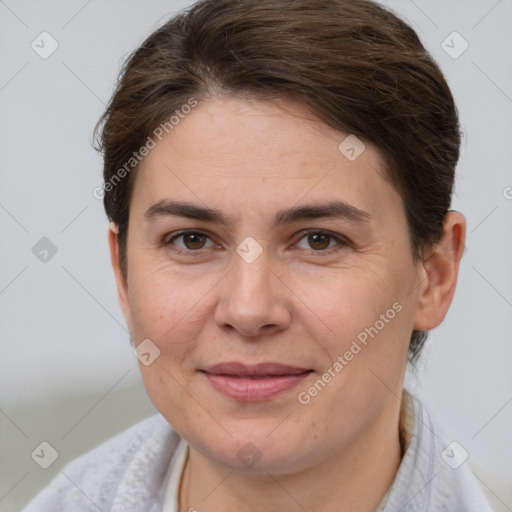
237, 152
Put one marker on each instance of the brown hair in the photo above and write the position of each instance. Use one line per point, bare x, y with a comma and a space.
356, 65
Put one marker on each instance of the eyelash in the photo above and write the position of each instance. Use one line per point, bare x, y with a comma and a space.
341, 241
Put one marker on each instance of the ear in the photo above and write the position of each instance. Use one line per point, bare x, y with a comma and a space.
121, 281
438, 273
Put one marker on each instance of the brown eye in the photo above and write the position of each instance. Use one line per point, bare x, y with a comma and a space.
189, 241
319, 241
194, 240
322, 241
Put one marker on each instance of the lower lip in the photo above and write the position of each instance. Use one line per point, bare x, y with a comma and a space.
254, 389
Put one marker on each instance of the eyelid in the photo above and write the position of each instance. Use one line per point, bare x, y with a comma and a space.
169, 239
341, 240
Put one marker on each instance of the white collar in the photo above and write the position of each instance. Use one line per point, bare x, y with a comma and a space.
174, 477
424, 482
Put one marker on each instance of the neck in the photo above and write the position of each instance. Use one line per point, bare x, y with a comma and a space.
356, 478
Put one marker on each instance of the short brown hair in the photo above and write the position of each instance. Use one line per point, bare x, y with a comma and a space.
356, 65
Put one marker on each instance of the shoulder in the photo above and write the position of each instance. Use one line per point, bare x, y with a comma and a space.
130, 466
434, 474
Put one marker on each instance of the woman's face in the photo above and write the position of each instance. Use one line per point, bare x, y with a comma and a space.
296, 252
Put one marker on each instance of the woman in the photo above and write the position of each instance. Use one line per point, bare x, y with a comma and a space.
278, 177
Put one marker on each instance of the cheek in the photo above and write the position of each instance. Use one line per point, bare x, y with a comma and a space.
170, 309
363, 324
158, 297
365, 352
165, 311
346, 303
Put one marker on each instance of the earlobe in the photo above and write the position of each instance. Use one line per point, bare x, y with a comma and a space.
439, 272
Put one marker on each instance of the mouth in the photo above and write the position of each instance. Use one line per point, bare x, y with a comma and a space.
254, 382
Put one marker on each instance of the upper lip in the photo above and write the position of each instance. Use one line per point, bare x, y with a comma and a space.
241, 370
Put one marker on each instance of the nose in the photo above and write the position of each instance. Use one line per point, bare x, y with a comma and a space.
253, 300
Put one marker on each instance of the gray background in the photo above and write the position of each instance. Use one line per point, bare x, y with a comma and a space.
68, 375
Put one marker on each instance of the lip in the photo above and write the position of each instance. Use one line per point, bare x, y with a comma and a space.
234, 368
255, 382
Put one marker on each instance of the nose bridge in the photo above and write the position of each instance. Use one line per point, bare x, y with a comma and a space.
251, 298
251, 280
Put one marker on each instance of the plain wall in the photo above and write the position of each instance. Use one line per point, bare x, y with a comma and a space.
68, 375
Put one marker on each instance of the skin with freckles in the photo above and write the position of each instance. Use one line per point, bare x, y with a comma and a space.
318, 283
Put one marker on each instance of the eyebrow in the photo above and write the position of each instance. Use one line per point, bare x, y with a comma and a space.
332, 209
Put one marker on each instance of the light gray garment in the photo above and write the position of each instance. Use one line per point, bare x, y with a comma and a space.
130, 472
